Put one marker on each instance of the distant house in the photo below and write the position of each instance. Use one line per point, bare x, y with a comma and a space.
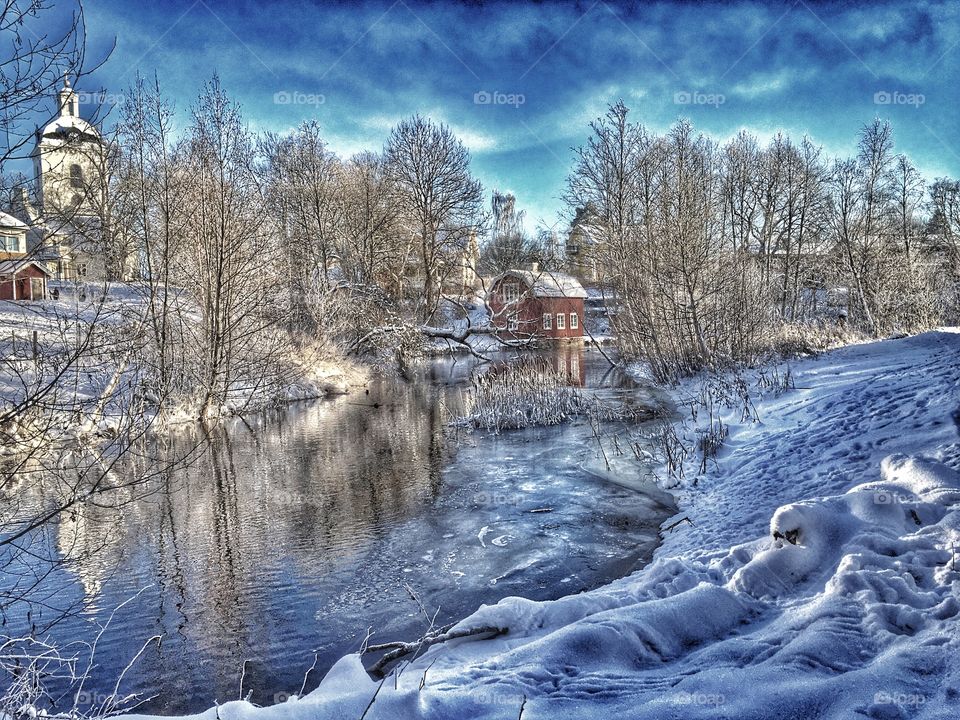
23, 280
13, 237
20, 277
534, 304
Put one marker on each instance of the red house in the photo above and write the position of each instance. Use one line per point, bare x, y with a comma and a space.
536, 305
23, 280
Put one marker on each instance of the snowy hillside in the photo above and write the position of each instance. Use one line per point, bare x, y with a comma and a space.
818, 579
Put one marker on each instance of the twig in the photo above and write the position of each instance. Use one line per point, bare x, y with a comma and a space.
671, 526
243, 672
303, 687
398, 650
373, 699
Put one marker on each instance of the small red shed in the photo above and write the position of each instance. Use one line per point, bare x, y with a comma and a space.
23, 280
536, 304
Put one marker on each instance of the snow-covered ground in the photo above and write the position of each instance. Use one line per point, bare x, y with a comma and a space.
101, 325
818, 579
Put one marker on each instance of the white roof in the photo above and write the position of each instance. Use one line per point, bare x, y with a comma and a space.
9, 221
65, 124
8, 267
549, 284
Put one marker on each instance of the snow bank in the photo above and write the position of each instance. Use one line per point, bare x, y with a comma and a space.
818, 580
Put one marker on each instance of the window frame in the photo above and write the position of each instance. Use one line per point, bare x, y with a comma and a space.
76, 175
561, 321
510, 293
574, 321
9, 243
548, 321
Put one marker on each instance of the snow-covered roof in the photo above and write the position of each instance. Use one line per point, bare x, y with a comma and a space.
10, 222
65, 125
8, 267
544, 283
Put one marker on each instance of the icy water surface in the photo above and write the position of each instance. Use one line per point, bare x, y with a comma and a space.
299, 530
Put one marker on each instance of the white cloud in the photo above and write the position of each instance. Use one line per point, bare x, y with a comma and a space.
762, 84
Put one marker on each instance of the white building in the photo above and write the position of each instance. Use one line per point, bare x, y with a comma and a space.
68, 198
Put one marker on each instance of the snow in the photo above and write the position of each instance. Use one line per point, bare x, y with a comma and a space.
9, 221
817, 580
547, 284
111, 314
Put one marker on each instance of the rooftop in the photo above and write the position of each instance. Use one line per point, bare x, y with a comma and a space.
544, 283
9, 221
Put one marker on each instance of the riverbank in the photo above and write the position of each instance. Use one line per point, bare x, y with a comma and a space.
83, 353
811, 572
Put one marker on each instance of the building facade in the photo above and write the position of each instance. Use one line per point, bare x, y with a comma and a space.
64, 209
21, 278
531, 305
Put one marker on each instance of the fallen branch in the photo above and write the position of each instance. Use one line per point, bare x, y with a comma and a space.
397, 650
671, 526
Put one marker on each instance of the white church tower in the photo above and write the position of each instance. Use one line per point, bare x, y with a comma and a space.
68, 205
68, 161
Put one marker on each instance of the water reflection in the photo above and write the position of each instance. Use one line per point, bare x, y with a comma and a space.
297, 530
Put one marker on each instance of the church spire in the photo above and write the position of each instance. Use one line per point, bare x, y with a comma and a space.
68, 101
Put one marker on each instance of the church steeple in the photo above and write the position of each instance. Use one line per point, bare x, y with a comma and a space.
69, 103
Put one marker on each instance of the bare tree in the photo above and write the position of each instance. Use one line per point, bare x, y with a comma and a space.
34, 64
375, 250
440, 197
229, 268
509, 245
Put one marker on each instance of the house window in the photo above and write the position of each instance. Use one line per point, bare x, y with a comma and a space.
547, 321
76, 176
574, 321
511, 293
514, 323
81, 270
561, 321
9, 243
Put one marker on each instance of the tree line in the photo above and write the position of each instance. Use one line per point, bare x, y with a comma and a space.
719, 251
253, 249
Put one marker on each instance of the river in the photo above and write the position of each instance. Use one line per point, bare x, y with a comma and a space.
298, 531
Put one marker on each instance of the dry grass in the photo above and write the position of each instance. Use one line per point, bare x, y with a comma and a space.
529, 393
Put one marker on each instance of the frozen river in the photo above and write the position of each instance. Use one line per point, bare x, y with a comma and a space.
297, 531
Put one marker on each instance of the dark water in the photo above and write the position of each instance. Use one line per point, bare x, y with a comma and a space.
297, 531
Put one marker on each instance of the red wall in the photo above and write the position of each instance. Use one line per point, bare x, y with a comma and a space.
530, 311
23, 284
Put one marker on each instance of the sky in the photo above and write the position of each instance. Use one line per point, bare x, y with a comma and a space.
520, 82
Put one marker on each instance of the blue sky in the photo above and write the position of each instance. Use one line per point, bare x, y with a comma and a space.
803, 67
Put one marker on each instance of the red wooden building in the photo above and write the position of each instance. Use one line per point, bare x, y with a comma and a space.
536, 305
23, 280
